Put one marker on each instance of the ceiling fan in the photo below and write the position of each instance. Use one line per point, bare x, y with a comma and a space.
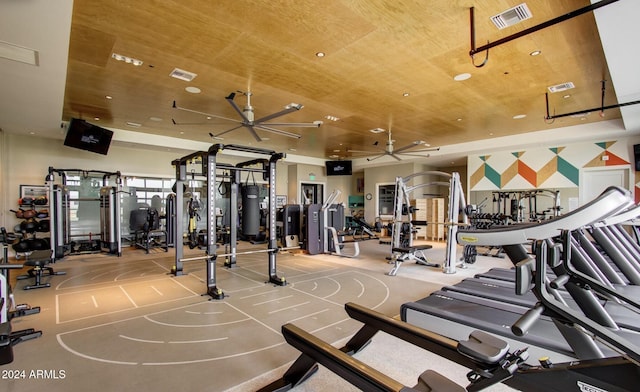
247, 118
395, 153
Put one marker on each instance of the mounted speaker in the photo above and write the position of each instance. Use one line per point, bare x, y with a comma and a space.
636, 156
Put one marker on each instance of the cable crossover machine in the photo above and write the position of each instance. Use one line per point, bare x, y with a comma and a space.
402, 248
211, 169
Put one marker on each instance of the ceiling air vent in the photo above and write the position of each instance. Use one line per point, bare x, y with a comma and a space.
182, 74
561, 87
511, 16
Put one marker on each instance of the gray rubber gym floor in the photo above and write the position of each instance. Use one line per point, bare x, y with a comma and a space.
126, 324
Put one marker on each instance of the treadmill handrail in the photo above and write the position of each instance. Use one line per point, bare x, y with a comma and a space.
612, 200
549, 302
621, 217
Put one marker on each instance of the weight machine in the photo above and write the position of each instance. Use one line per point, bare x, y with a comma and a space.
517, 204
329, 236
402, 248
109, 201
210, 166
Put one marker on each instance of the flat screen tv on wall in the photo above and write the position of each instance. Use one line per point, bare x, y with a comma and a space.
338, 168
88, 137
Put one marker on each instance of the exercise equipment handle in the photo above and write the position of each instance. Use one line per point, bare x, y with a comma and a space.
559, 282
521, 327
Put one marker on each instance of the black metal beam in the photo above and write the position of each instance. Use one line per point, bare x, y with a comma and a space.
598, 109
533, 29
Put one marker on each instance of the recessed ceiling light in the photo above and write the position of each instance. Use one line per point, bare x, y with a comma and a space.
332, 118
292, 149
133, 124
519, 116
319, 54
157, 119
336, 150
333, 156
97, 118
405, 94
108, 97
490, 133
182, 132
566, 96
459, 119
462, 76
377, 130
535, 53
31, 133
193, 90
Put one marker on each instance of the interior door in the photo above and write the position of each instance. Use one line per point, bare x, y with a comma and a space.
594, 181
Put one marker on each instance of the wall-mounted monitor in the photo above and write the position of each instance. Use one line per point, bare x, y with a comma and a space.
338, 168
88, 137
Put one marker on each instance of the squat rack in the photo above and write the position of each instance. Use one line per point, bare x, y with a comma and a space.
209, 168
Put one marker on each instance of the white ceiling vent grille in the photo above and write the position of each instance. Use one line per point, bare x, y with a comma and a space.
511, 16
561, 87
182, 74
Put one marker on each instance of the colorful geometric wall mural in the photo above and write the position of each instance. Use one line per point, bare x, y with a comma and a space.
555, 167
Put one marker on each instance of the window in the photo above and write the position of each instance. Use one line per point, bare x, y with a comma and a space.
386, 200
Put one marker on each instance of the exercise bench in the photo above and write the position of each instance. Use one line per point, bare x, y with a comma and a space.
39, 259
414, 252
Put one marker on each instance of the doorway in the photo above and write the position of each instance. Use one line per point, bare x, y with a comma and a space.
311, 193
595, 180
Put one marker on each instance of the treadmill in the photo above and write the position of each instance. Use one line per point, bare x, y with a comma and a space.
442, 313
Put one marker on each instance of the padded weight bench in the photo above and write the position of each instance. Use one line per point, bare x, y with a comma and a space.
415, 252
39, 259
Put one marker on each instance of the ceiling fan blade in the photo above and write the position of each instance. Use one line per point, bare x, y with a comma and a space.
227, 131
287, 110
253, 133
203, 113
406, 154
427, 149
229, 99
363, 152
408, 146
376, 157
278, 131
315, 124
195, 123
394, 156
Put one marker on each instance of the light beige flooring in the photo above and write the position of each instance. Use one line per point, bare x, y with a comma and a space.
126, 324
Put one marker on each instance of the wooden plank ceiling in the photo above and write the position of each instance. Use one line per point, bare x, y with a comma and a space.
375, 52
